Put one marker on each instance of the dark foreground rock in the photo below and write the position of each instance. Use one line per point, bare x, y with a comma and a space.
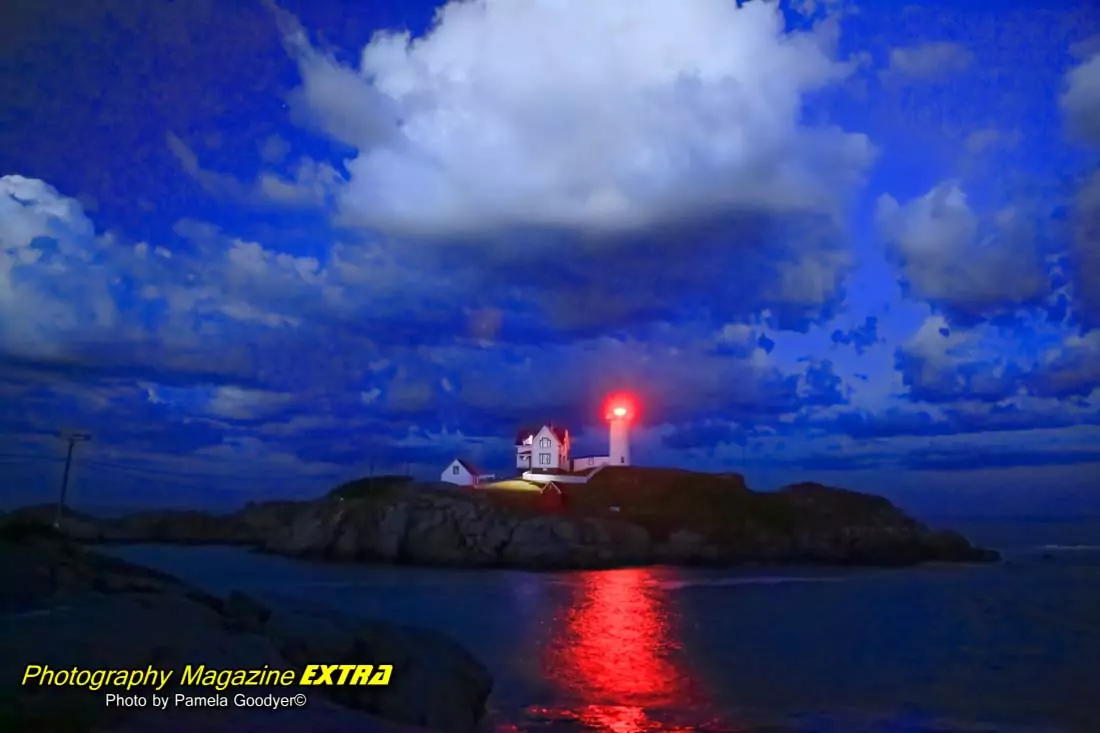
63, 605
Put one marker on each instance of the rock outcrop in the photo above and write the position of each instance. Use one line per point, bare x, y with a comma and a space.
176, 526
426, 527
811, 523
624, 516
63, 605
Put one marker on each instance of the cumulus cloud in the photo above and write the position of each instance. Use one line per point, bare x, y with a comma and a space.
675, 160
70, 297
47, 245
311, 183
940, 364
952, 257
307, 183
237, 403
30, 208
489, 122
1080, 101
928, 61
1072, 368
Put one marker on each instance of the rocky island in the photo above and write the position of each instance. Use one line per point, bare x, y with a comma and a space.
624, 516
65, 605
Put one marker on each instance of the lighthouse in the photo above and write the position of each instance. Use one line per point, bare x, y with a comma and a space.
619, 414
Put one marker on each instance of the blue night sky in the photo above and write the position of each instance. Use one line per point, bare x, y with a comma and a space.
253, 248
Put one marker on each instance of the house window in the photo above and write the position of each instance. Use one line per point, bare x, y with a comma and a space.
454, 470
544, 443
544, 459
622, 459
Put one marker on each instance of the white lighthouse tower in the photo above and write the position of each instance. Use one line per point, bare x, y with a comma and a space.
620, 413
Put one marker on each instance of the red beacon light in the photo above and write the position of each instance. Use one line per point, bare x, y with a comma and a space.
620, 407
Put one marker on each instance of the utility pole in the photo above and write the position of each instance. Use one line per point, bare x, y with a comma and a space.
73, 439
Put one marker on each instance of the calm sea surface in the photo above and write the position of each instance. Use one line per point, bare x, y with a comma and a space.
1012, 647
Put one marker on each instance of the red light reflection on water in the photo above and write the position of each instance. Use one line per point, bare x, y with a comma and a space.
615, 657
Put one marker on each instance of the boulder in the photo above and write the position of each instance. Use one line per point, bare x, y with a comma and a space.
436, 683
64, 606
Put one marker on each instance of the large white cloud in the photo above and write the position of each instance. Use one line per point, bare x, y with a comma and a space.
951, 256
576, 114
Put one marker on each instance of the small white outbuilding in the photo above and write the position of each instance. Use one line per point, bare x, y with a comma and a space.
463, 473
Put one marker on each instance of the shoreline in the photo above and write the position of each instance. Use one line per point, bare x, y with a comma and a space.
632, 517
687, 565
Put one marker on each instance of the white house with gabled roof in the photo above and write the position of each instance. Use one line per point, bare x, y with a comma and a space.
547, 447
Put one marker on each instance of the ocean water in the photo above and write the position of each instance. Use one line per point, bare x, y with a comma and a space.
1008, 647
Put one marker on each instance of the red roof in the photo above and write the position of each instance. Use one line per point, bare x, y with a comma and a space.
525, 433
469, 467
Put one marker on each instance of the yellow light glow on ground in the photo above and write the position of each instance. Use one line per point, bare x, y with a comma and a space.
513, 485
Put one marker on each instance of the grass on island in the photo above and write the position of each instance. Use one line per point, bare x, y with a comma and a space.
664, 500
512, 485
